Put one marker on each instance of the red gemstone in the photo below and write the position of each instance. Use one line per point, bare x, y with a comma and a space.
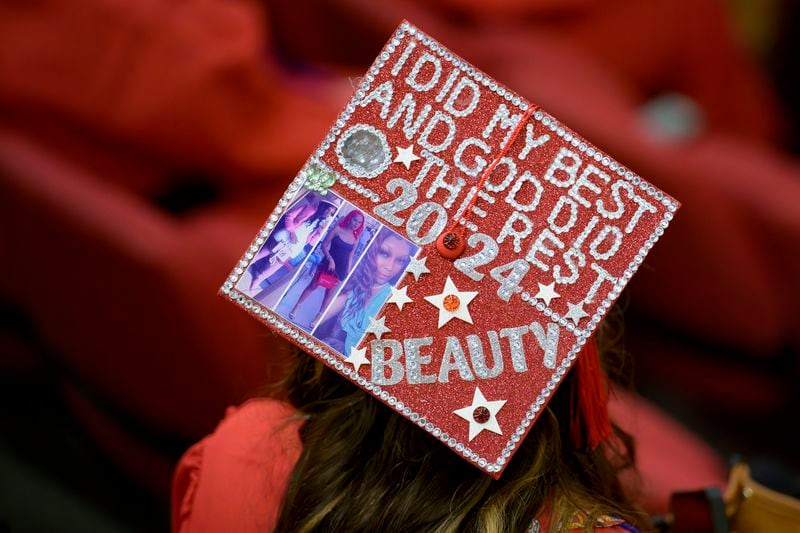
481, 414
451, 241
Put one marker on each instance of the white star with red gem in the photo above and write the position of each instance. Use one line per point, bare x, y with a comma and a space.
406, 156
358, 357
399, 297
452, 303
378, 327
575, 312
468, 414
547, 293
417, 267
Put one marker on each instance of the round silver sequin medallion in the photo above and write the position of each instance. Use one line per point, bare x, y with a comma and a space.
363, 151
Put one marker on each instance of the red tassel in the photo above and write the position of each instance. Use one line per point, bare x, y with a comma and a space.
590, 424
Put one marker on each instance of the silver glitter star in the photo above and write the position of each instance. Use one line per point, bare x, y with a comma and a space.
459, 303
547, 293
576, 312
357, 358
416, 267
377, 326
406, 156
399, 297
490, 408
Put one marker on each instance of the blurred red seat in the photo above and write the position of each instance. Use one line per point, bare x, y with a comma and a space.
125, 296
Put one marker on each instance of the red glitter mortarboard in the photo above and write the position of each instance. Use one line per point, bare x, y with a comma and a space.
493, 241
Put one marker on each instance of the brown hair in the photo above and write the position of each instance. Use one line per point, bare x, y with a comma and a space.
364, 468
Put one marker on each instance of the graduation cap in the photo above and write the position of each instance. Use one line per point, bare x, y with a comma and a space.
450, 248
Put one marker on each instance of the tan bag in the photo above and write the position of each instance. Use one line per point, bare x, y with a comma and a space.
753, 508
746, 507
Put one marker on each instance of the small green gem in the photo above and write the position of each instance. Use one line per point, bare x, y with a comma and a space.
319, 180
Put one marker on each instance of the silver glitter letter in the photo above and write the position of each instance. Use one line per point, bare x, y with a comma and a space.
381, 94
477, 209
616, 242
411, 79
537, 192
507, 122
602, 276
643, 206
403, 57
438, 118
419, 216
547, 341
573, 214
517, 349
510, 231
479, 361
480, 163
430, 161
585, 183
410, 126
506, 181
467, 263
447, 84
530, 142
615, 187
463, 83
439, 183
408, 195
566, 161
578, 244
570, 257
414, 360
454, 358
379, 361
539, 246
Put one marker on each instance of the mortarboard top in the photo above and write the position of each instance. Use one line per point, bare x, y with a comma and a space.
493, 240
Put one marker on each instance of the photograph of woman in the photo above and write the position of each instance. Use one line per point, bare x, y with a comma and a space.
367, 289
285, 256
291, 234
337, 249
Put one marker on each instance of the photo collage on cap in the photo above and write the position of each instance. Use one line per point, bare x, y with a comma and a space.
328, 267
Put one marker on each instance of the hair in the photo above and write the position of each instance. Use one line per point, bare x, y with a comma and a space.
323, 205
364, 468
362, 281
348, 217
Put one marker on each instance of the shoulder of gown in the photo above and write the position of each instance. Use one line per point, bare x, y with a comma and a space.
234, 479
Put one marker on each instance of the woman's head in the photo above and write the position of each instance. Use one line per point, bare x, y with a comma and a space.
383, 262
327, 210
365, 468
324, 210
354, 222
392, 254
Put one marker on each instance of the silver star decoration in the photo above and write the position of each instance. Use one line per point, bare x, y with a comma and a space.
462, 300
468, 414
406, 156
399, 297
575, 312
547, 293
377, 326
358, 357
417, 267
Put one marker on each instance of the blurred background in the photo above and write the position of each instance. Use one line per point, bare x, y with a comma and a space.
143, 144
